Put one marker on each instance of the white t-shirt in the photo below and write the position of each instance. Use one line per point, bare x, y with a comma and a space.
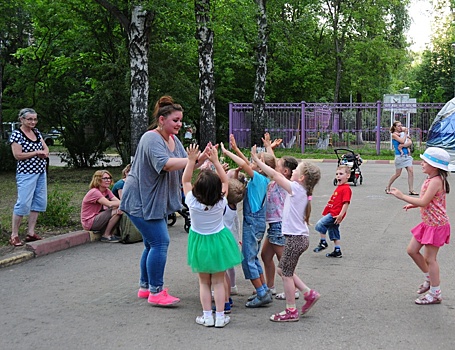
232, 222
294, 210
205, 220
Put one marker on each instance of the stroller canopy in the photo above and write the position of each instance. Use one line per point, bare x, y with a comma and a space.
442, 130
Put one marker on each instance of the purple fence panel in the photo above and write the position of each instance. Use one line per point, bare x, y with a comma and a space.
324, 125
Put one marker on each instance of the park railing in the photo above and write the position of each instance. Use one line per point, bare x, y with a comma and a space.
311, 126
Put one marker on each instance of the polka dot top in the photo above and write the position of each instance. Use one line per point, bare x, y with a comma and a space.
34, 165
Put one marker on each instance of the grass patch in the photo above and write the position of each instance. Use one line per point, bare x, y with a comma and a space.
66, 189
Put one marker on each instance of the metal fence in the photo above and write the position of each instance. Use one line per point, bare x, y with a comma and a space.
310, 126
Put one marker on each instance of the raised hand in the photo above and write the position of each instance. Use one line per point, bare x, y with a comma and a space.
193, 152
232, 142
213, 154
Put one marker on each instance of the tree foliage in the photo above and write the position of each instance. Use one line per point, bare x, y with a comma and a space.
70, 60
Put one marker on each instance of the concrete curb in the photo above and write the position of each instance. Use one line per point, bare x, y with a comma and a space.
48, 246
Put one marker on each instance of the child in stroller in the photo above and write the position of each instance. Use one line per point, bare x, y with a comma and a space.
348, 157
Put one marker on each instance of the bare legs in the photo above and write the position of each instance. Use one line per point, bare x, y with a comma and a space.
393, 178
269, 250
427, 262
206, 281
17, 220
116, 215
397, 174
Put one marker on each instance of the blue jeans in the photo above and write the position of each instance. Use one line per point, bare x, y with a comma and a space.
327, 224
31, 193
153, 261
253, 231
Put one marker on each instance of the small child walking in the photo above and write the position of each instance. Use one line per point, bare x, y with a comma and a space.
434, 230
296, 215
212, 248
334, 213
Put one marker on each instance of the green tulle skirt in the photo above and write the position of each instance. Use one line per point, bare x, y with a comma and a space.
213, 253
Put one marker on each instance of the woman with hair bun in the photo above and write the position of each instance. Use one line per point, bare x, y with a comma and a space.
152, 191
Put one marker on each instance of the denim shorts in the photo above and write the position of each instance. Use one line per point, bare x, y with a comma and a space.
31, 193
327, 224
274, 234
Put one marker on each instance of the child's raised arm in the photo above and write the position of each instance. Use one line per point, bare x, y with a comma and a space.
279, 178
236, 149
241, 162
193, 155
213, 157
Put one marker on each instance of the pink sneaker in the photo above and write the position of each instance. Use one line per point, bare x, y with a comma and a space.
162, 299
311, 298
143, 294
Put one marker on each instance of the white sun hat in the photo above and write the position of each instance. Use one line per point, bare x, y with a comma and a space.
436, 157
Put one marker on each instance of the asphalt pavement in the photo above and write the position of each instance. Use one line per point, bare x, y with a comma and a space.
85, 297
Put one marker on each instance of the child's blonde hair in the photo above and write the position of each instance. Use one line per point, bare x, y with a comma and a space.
346, 169
236, 191
268, 159
312, 176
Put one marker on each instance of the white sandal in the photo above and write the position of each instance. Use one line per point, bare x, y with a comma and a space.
282, 296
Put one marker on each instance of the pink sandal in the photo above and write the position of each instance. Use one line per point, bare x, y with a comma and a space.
424, 287
428, 299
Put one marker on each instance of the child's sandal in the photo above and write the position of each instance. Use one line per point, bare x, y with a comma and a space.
424, 287
428, 299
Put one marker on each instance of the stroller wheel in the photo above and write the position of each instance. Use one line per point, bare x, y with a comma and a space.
361, 179
355, 181
335, 182
186, 227
171, 219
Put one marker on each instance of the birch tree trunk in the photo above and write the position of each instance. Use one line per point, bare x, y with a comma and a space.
138, 30
139, 35
205, 35
258, 120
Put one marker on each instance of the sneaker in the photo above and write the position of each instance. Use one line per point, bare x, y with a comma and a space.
272, 290
234, 290
222, 321
111, 239
143, 293
206, 322
310, 299
287, 315
321, 246
227, 308
258, 302
162, 299
335, 254
429, 298
230, 301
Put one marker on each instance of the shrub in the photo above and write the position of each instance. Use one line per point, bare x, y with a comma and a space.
8, 162
58, 211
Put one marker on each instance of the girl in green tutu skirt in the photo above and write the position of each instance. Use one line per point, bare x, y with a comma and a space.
212, 248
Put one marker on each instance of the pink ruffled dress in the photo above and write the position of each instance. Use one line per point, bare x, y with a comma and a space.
435, 228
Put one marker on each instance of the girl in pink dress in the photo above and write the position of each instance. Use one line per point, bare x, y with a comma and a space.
434, 230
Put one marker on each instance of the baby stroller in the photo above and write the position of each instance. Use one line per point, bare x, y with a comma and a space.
184, 213
348, 157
